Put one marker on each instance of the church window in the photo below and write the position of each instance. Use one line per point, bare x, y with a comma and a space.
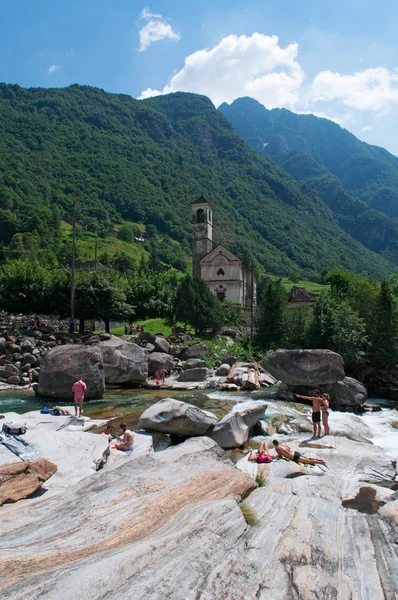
221, 295
200, 216
220, 272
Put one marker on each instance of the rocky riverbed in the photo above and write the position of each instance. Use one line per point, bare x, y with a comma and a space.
171, 524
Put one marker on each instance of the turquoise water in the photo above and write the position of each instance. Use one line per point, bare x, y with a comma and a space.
120, 404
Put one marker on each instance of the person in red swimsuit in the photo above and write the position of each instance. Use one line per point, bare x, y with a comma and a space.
261, 455
78, 389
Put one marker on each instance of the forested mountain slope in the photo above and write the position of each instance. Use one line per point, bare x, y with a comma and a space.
146, 161
357, 181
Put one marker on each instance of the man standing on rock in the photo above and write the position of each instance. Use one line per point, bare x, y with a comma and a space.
284, 451
78, 389
316, 412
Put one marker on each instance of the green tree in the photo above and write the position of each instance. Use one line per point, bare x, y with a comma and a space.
151, 231
348, 334
123, 263
125, 234
150, 293
293, 276
298, 323
26, 287
232, 315
270, 317
102, 295
321, 329
338, 327
384, 335
196, 306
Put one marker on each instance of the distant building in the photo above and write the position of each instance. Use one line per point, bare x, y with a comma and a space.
91, 265
299, 297
225, 274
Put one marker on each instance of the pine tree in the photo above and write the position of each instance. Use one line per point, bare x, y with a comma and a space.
196, 306
270, 316
384, 336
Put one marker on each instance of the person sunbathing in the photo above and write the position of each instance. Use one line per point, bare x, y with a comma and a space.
284, 451
261, 455
126, 442
59, 410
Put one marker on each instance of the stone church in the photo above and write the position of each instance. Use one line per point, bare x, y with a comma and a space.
224, 273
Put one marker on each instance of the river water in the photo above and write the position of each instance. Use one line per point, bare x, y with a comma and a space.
127, 405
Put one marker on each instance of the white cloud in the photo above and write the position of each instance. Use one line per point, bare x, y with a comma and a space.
371, 89
255, 66
155, 30
366, 128
53, 68
146, 14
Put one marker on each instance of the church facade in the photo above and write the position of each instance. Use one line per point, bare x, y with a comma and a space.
225, 274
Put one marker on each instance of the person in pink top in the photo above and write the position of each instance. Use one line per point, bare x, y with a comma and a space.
78, 388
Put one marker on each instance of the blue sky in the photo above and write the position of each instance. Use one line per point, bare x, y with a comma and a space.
335, 59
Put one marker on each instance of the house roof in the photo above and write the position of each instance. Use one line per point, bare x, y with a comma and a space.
298, 294
201, 200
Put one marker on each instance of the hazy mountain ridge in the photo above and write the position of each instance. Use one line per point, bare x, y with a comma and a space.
357, 181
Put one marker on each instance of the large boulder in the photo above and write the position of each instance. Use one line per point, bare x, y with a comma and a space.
195, 351
245, 375
230, 432
253, 414
148, 337
305, 367
160, 360
223, 370
194, 363
7, 370
63, 365
162, 345
348, 394
21, 479
172, 416
124, 362
199, 374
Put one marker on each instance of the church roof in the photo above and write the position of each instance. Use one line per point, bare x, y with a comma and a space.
230, 256
220, 249
201, 200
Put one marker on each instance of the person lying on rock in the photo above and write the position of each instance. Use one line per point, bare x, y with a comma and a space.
126, 442
261, 455
59, 410
316, 412
284, 451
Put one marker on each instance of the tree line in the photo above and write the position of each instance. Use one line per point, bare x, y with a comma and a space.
358, 318
31, 287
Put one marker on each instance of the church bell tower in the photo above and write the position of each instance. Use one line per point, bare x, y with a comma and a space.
202, 232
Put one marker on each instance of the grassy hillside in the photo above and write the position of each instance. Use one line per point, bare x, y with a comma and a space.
357, 181
124, 160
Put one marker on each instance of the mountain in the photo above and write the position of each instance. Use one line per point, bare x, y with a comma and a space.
358, 182
145, 161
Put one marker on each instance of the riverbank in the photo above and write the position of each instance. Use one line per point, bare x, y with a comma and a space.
127, 405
